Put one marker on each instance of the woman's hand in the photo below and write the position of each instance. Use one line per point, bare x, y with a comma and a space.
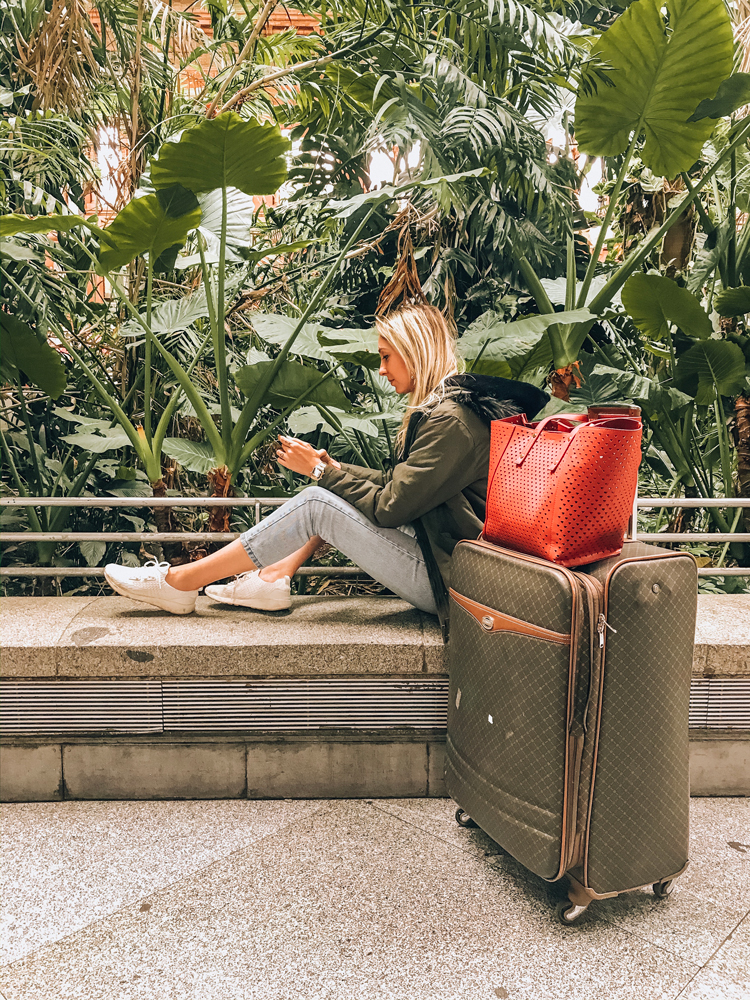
326, 459
300, 456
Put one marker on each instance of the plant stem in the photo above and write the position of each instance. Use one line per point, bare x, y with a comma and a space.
32, 450
147, 359
220, 347
169, 409
705, 218
732, 218
333, 419
477, 359
207, 283
535, 286
725, 547
726, 461
588, 277
570, 282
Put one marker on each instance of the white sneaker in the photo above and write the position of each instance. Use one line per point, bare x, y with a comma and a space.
249, 591
148, 584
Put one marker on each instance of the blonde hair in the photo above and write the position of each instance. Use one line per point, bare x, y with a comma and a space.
427, 344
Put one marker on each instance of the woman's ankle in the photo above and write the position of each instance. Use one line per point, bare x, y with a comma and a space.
270, 574
175, 579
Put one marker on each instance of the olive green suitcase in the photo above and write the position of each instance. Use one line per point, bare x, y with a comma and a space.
568, 713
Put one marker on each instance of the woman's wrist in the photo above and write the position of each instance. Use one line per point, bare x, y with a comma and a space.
318, 469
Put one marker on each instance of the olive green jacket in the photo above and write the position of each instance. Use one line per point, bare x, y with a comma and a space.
440, 484
442, 480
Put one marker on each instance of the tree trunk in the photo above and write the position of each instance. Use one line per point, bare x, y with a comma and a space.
221, 482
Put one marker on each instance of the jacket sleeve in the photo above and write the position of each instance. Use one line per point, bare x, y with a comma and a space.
440, 464
362, 472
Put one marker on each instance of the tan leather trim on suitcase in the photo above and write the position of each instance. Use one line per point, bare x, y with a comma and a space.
495, 621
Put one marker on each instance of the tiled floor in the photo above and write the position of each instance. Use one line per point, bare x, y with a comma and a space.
345, 899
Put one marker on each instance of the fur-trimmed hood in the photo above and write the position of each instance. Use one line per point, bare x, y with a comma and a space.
491, 397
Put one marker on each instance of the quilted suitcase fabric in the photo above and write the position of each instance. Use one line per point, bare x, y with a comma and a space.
507, 707
638, 813
574, 758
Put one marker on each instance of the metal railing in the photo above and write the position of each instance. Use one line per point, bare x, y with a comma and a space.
258, 503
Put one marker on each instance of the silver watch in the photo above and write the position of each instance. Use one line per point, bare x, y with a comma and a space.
318, 471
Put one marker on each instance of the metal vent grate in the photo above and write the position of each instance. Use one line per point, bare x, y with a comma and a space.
155, 706
720, 703
81, 706
355, 703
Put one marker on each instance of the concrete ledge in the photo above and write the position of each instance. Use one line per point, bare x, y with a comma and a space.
113, 637
335, 764
722, 636
339, 764
31, 773
153, 771
719, 762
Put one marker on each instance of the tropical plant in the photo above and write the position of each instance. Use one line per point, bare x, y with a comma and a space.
658, 77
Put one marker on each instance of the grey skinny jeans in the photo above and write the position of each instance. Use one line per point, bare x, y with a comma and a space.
390, 555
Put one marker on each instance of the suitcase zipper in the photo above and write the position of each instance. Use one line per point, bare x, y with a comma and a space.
594, 593
602, 623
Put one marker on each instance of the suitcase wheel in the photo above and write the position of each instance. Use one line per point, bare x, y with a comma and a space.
568, 913
463, 819
663, 889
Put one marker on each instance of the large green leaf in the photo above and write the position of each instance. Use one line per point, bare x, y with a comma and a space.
12, 224
733, 301
17, 251
197, 456
308, 418
224, 152
98, 440
291, 382
508, 349
240, 215
276, 328
88, 423
732, 94
360, 347
709, 365
20, 350
151, 224
653, 302
603, 384
659, 76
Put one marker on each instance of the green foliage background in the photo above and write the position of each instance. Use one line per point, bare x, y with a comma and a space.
171, 337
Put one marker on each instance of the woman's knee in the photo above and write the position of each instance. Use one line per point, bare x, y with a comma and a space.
311, 494
324, 511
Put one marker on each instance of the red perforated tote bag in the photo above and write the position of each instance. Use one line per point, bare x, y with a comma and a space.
563, 488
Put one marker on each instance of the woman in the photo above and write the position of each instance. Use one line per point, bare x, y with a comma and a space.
401, 527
